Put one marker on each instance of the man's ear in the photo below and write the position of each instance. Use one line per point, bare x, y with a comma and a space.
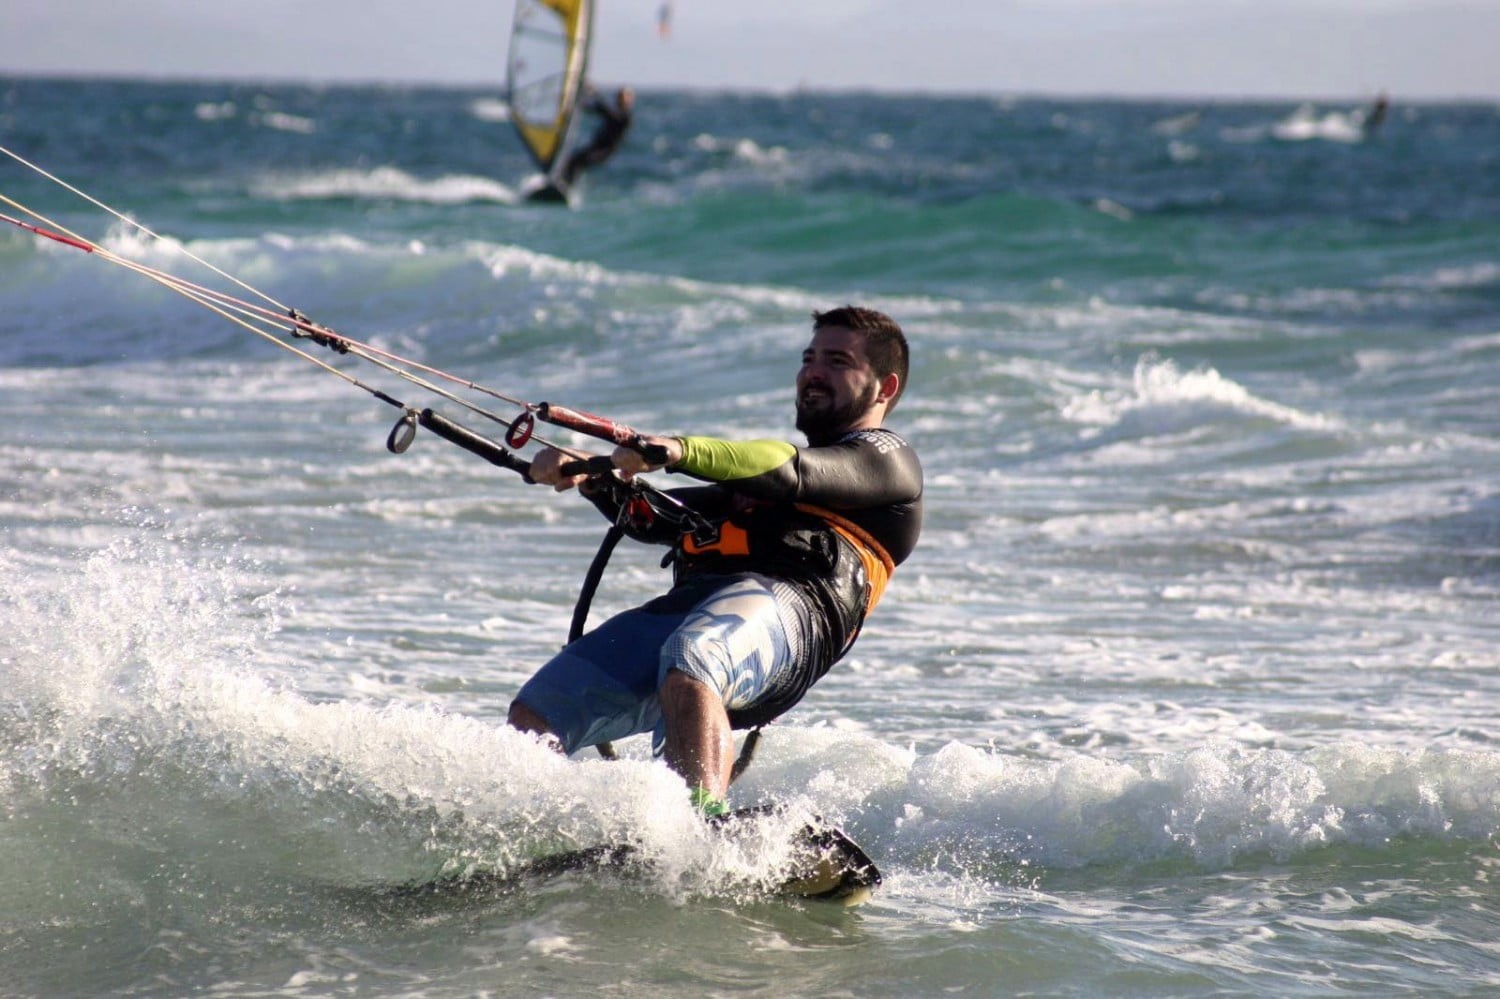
889, 386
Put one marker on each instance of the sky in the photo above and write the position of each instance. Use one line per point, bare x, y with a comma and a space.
1336, 49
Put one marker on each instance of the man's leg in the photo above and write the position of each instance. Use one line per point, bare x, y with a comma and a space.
731, 651
523, 718
601, 687
700, 745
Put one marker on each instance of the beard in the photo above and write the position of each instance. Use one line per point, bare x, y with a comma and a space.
824, 421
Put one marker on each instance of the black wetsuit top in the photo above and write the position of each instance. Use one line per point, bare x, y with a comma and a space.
614, 123
834, 521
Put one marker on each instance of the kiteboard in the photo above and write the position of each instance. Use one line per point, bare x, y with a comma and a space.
544, 81
825, 865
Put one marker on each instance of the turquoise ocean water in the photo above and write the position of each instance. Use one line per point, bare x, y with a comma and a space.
1190, 689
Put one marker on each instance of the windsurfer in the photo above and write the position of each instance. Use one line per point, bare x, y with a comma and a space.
614, 122
1375, 116
805, 540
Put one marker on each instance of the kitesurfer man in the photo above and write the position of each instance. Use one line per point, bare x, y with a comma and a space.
803, 542
614, 122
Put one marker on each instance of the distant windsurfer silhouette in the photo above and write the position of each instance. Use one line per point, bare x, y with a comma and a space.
1376, 115
614, 122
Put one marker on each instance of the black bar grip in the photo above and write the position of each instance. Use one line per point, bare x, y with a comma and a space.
599, 464
467, 439
655, 454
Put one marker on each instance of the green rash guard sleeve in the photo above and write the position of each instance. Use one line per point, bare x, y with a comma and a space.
730, 461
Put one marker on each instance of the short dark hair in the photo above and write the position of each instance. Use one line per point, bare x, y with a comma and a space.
885, 344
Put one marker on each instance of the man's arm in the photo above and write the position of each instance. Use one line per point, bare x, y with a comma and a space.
865, 468
594, 103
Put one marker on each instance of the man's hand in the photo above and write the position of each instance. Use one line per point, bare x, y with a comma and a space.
546, 470
546, 467
630, 462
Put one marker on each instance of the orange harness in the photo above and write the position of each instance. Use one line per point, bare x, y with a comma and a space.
877, 561
732, 540
735, 540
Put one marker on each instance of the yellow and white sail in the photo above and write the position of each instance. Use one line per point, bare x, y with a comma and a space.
549, 53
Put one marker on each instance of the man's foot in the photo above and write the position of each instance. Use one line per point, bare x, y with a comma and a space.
708, 806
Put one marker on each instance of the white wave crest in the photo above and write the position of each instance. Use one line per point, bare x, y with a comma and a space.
384, 183
1332, 126
1163, 399
281, 121
490, 109
1213, 805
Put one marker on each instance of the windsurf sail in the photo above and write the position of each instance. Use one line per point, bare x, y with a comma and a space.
549, 53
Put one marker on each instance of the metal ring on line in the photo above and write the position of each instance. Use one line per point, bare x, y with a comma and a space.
520, 430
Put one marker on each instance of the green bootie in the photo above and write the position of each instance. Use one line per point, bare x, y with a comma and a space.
708, 806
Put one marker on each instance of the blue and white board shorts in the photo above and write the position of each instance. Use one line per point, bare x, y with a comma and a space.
740, 634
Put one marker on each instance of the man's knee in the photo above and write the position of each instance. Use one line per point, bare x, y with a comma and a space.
524, 718
680, 692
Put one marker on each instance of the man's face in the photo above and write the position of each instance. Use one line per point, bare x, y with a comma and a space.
835, 385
